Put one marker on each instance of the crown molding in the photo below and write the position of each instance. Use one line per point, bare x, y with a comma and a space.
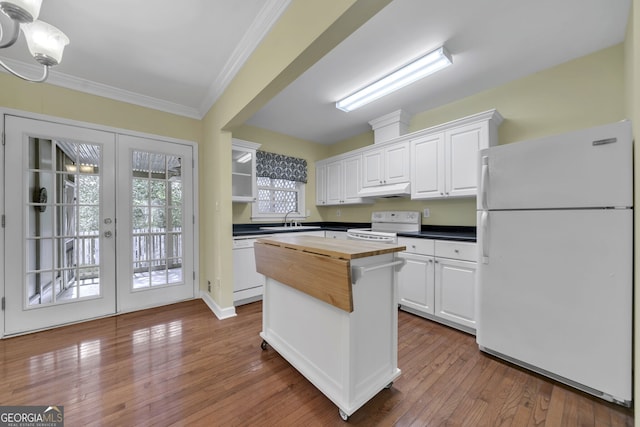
87, 86
267, 17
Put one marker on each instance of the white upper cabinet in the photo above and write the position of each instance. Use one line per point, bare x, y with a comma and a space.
461, 146
339, 179
321, 183
335, 182
427, 168
243, 170
386, 165
444, 163
437, 162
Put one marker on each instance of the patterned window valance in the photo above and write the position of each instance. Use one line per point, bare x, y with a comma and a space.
279, 166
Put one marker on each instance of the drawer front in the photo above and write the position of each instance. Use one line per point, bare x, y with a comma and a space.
417, 246
243, 243
457, 250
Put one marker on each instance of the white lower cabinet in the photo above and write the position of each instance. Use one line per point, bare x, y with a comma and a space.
247, 282
416, 278
438, 281
455, 291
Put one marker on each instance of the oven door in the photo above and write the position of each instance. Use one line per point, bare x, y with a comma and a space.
371, 236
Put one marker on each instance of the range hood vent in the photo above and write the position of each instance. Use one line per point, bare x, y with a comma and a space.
392, 190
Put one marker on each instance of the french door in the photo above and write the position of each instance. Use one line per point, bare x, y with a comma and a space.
157, 214
95, 223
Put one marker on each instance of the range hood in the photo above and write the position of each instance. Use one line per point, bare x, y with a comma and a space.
402, 189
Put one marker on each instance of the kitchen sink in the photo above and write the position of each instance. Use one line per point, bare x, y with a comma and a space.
290, 227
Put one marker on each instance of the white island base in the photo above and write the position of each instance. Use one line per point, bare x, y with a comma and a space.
348, 356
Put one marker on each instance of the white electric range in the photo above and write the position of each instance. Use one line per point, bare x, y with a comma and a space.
385, 225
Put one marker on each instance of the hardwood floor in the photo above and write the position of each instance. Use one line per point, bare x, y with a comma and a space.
179, 365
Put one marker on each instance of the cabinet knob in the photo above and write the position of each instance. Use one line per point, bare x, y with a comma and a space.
456, 251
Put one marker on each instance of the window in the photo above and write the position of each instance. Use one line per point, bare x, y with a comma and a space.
281, 186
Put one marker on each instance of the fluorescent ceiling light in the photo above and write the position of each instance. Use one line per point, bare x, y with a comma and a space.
421, 67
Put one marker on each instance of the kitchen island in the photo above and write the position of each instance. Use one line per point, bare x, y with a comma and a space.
330, 309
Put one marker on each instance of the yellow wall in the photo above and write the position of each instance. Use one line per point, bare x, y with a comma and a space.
585, 92
55, 101
283, 144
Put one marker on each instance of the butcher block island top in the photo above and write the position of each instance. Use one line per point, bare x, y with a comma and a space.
317, 266
335, 248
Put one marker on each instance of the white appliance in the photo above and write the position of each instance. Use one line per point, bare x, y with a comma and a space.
385, 225
247, 282
555, 236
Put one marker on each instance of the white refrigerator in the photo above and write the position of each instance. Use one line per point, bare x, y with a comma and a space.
555, 274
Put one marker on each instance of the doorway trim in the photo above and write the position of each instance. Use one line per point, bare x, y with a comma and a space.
117, 131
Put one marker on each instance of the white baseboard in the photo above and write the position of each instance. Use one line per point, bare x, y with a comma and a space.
221, 313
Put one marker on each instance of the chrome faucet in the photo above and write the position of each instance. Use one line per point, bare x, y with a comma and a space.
292, 221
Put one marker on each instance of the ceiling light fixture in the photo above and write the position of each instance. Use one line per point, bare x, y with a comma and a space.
428, 64
244, 158
45, 42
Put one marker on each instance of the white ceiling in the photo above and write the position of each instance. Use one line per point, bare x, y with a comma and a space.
175, 56
179, 56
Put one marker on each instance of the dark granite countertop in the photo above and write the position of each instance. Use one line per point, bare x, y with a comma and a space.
438, 232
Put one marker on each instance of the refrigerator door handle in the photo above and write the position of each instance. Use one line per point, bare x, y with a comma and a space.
484, 182
484, 237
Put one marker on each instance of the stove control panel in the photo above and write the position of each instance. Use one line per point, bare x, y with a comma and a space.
403, 217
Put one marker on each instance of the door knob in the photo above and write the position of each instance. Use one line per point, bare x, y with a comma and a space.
108, 234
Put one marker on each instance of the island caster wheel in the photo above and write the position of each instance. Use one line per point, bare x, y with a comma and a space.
263, 345
343, 415
388, 386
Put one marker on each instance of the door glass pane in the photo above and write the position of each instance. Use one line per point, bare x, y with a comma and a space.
62, 222
156, 203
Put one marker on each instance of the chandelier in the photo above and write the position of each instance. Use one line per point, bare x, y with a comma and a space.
45, 42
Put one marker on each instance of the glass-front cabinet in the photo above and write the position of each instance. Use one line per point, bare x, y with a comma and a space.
243, 170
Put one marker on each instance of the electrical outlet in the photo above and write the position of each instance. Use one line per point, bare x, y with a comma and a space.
426, 213
338, 212
209, 286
